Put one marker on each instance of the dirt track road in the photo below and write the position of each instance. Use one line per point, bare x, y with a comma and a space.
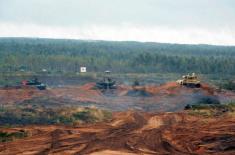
132, 133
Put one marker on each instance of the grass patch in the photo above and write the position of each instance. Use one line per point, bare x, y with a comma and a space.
6, 137
208, 110
41, 115
229, 85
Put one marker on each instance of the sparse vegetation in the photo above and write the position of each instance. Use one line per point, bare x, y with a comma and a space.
229, 85
208, 100
209, 110
41, 115
5, 136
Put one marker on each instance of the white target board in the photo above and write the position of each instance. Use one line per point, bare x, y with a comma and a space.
83, 69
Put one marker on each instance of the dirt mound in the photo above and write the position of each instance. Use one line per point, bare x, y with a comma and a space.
138, 93
166, 97
132, 133
88, 86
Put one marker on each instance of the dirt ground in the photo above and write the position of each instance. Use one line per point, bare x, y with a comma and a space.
147, 120
131, 133
168, 97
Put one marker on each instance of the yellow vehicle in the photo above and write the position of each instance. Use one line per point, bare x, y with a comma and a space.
189, 81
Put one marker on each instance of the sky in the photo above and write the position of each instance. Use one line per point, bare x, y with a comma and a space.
168, 21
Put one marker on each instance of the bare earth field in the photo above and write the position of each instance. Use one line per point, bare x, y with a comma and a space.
132, 133
169, 97
146, 120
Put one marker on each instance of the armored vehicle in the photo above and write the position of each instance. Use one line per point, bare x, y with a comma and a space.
34, 82
190, 81
107, 82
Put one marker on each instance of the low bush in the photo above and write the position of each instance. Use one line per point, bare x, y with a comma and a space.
42, 115
5, 136
229, 85
209, 110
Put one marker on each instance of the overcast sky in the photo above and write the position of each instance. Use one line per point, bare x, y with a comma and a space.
173, 21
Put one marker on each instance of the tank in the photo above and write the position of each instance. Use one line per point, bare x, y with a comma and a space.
107, 82
190, 81
34, 82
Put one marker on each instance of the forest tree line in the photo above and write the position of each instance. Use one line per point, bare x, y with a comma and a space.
122, 57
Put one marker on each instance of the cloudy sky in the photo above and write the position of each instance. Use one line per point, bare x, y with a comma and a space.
173, 21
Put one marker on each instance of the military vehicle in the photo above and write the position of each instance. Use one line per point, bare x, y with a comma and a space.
34, 82
136, 83
107, 82
190, 81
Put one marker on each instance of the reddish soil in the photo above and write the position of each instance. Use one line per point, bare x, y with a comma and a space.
128, 132
166, 97
12, 96
132, 133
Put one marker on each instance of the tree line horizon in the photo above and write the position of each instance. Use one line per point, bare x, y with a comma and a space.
62, 55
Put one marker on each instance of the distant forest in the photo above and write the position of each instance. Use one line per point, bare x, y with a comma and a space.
62, 56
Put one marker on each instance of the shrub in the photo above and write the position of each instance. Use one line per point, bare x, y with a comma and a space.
42, 115
5, 136
229, 85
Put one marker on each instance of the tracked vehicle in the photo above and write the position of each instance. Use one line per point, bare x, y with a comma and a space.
107, 82
34, 82
190, 81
